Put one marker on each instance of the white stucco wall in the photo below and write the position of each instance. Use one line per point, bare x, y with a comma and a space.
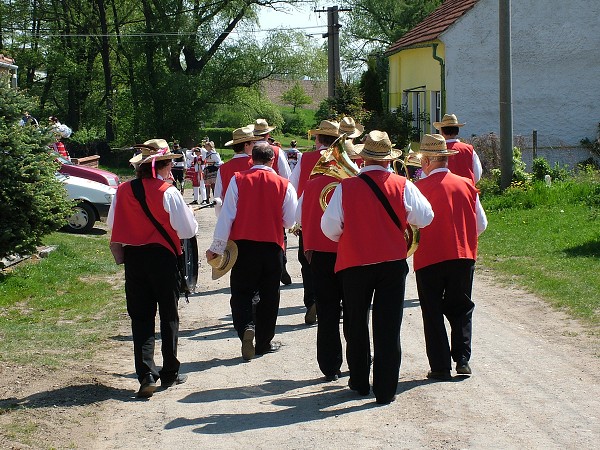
555, 68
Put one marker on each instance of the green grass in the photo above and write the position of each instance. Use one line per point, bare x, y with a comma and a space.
548, 240
58, 308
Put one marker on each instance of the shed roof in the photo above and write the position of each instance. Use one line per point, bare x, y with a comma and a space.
6, 59
433, 25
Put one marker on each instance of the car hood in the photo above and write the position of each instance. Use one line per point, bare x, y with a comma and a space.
83, 189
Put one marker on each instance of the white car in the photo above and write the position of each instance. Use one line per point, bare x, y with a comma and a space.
93, 200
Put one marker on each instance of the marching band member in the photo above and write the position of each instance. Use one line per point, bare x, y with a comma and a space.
258, 205
262, 130
374, 208
444, 263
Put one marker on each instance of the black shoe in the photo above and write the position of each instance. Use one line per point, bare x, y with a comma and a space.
385, 401
179, 379
334, 377
195, 202
248, 350
204, 202
147, 387
463, 368
310, 318
364, 391
442, 375
271, 348
285, 278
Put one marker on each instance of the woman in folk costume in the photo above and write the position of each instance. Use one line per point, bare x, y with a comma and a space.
196, 175
151, 266
212, 162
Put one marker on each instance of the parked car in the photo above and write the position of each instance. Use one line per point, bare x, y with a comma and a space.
90, 173
92, 199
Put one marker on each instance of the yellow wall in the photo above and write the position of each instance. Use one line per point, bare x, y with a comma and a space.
411, 68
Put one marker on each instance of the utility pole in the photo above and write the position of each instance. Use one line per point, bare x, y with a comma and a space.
333, 47
506, 119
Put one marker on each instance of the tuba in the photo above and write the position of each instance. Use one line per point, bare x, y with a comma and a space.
400, 166
334, 162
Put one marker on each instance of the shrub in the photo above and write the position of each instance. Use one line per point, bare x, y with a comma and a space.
294, 123
541, 168
33, 202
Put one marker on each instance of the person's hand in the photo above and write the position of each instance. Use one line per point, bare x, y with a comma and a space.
211, 255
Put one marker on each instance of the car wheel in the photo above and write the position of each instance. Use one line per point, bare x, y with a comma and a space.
83, 218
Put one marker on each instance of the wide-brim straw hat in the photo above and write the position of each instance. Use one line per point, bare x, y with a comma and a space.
261, 127
435, 145
377, 146
326, 127
350, 151
243, 134
223, 263
449, 120
153, 150
351, 128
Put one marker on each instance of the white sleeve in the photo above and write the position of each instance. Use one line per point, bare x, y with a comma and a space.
299, 210
477, 168
482, 221
295, 176
218, 186
283, 166
290, 206
418, 209
180, 215
332, 222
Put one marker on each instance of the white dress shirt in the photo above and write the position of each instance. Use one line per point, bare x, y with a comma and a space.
229, 211
418, 208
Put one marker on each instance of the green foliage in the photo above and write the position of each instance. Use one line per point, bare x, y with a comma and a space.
294, 123
547, 239
373, 83
540, 168
593, 146
487, 147
32, 201
296, 96
347, 102
519, 173
218, 135
397, 124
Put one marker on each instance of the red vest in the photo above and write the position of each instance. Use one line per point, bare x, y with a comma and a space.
232, 166
131, 225
462, 163
259, 209
453, 232
370, 236
313, 237
307, 164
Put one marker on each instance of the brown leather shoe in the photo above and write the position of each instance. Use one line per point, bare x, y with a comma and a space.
310, 318
248, 350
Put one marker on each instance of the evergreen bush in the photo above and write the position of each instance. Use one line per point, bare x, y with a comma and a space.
33, 202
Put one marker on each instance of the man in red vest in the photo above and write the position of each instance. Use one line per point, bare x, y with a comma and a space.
258, 205
367, 216
325, 134
466, 163
242, 141
151, 270
444, 263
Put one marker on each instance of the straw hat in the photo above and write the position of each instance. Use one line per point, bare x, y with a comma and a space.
435, 145
377, 146
350, 151
449, 120
326, 127
223, 263
243, 134
351, 128
154, 149
261, 127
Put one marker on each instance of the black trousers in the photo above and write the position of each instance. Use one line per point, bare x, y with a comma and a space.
151, 281
178, 176
384, 285
257, 269
307, 278
328, 290
445, 290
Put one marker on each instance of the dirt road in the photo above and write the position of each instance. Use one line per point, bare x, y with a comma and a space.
536, 383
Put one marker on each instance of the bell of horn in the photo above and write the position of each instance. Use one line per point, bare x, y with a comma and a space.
334, 161
413, 159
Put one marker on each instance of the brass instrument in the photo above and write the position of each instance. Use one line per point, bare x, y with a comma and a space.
412, 233
334, 162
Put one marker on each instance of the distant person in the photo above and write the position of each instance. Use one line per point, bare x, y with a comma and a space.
212, 162
444, 263
262, 130
28, 119
293, 155
179, 167
466, 163
151, 270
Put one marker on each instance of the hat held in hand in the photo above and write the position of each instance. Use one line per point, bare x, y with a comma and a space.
223, 263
